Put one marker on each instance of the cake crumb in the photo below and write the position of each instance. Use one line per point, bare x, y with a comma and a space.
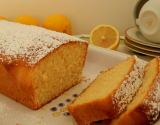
102, 71
39, 122
84, 79
43, 109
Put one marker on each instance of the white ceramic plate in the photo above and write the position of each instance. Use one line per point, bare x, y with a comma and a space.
141, 51
135, 35
55, 113
143, 47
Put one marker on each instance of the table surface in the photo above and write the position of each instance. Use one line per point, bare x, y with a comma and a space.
122, 48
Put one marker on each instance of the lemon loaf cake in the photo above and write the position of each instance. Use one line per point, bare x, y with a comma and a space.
36, 64
109, 94
145, 107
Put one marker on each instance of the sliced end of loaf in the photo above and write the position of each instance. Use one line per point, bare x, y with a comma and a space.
58, 72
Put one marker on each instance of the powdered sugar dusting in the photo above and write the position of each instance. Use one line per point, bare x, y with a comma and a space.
29, 43
129, 87
152, 101
7, 111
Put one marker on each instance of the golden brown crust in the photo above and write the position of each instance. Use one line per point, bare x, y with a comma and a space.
134, 118
16, 83
93, 113
17, 80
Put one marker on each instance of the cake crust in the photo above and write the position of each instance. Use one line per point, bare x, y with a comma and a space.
24, 48
134, 118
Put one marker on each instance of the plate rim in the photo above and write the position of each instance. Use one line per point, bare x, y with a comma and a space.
143, 47
137, 41
139, 51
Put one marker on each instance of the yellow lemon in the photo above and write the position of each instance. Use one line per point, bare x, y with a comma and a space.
106, 36
3, 18
27, 19
59, 23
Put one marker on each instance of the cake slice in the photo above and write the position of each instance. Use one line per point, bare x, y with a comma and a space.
145, 107
38, 65
109, 94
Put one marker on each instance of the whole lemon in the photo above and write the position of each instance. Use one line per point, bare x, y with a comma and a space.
27, 19
59, 23
3, 18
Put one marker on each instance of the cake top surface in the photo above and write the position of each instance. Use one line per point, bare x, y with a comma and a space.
29, 43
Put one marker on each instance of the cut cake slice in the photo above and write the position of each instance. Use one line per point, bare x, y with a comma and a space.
145, 107
109, 94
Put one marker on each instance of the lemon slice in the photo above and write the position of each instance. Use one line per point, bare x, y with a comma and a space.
106, 36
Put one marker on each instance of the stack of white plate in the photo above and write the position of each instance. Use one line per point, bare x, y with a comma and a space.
135, 41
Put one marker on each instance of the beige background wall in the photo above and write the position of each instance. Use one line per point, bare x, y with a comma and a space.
84, 14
